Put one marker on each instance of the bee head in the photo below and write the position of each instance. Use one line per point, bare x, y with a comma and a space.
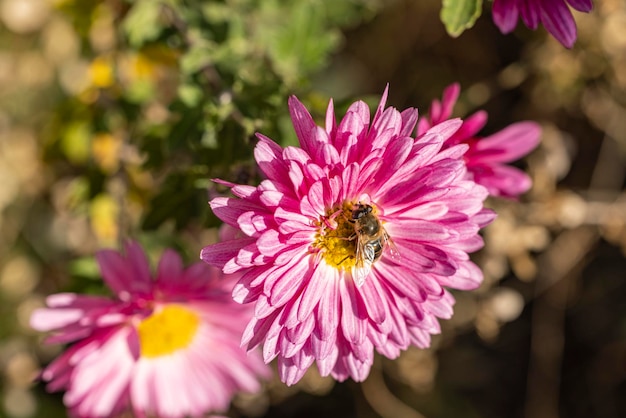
360, 211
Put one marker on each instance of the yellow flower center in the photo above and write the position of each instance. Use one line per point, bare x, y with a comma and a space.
167, 331
336, 239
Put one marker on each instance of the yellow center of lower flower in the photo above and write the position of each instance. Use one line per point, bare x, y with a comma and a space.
336, 237
166, 331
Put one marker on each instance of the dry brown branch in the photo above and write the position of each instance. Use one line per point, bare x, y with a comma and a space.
558, 267
380, 398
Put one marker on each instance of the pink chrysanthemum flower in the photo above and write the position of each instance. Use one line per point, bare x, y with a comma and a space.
348, 244
487, 158
167, 347
555, 16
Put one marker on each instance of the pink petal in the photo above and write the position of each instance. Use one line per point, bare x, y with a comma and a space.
381, 104
220, 253
50, 319
244, 293
449, 98
327, 364
170, 267
322, 349
256, 330
409, 120
472, 125
358, 369
505, 15
402, 281
388, 126
288, 372
331, 123
374, 300
74, 300
353, 124
467, 277
422, 230
558, 20
290, 282
114, 270
303, 124
141, 280
96, 387
581, 5
328, 309
505, 181
442, 131
229, 210
301, 333
312, 293
530, 11
509, 144
353, 319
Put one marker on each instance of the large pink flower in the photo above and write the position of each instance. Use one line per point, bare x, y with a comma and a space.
487, 157
167, 347
316, 253
554, 14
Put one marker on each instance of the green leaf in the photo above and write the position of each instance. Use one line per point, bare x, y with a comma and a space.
85, 267
458, 15
189, 94
76, 141
142, 23
300, 44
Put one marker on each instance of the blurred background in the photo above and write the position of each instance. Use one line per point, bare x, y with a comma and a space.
115, 114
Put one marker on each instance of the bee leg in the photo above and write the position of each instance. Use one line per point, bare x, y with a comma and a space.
345, 258
350, 238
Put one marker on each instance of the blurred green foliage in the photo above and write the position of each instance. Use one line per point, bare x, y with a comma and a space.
187, 84
115, 115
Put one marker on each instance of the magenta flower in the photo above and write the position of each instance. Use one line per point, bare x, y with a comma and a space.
554, 14
487, 157
167, 347
349, 243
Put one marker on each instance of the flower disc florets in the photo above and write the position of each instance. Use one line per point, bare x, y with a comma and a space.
335, 240
348, 243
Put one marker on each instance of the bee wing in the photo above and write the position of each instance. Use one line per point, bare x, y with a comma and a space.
365, 256
391, 247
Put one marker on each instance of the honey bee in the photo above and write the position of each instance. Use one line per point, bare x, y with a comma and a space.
371, 240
